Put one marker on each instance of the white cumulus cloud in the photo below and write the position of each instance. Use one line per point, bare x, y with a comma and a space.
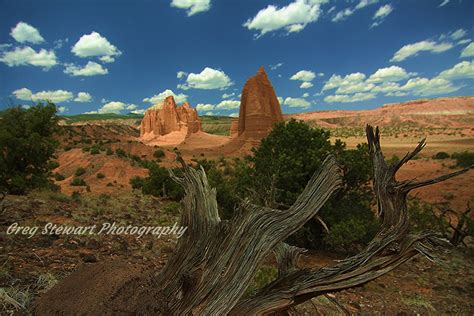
293, 18
207, 79
22, 94
458, 34
343, 98
381, 14
388, 74
181, 74
468, 51
116, 107
296, 102
306, 85
427, 87
204, 107
345, 13
138, 111
423, 46
55, 96
228, 105
228, 95
25, 33
158, 98
62, 109
192, 6
95, 45
337, 81
83, 97
303, 75
28, 56
90, 69
107, 59
462, 70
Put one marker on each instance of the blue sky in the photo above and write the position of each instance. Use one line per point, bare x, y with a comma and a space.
123, 55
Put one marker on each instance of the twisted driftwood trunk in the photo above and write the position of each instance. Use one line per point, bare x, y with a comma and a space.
216, 260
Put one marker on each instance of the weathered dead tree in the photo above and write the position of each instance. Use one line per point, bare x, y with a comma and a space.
461, 229
216, 260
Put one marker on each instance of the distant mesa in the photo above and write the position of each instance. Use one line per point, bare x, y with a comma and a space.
259, 108
168, 123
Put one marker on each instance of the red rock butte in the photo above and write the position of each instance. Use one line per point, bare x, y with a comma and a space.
170, 123
259, 107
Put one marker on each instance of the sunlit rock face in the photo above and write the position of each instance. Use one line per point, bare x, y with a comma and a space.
259, 107
163, 119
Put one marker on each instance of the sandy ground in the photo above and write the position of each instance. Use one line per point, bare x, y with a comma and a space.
456, 192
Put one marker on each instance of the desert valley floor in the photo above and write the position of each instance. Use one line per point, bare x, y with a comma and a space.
417, 287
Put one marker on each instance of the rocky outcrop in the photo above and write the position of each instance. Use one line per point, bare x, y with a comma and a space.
166, 118
259, 107
190, 117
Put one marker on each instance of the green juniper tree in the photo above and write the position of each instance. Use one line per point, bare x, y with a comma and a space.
27, 143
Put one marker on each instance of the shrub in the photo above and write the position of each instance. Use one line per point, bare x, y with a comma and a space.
58, 177
78, 182
95, 151
135, 158
104, 198
100, 175
53, 164
27, 144
263, 277
350, 235
441, 155
109, 152
136, 182
120, 153
159, 183
282, 165
464, 159
395, 159
423, 218
159, 153
221, 176
86, 149
79, 172
76, 196
172, 208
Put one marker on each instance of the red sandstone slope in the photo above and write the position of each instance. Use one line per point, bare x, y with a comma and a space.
443, 112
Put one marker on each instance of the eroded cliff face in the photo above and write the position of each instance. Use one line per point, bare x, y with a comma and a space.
259, 107
167, 118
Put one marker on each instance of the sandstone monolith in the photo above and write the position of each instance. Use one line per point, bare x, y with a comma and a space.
259, 107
